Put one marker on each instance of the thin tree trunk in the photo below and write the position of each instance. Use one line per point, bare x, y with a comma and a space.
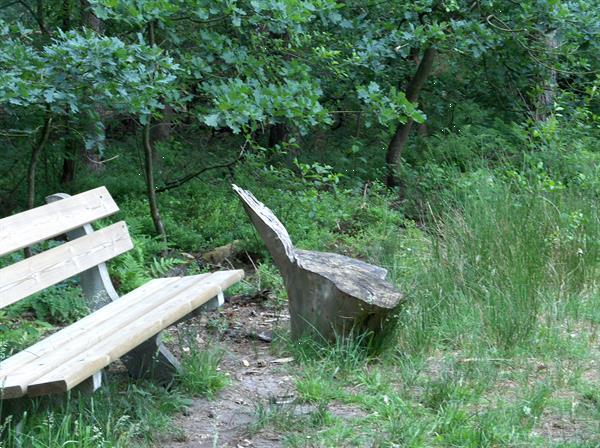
92, 157
149, 162
278, 134
549, 84
68, 168
31, 171
398, 141
35, 156
160, 130
40, 16
150, 189
66, 12
88, 18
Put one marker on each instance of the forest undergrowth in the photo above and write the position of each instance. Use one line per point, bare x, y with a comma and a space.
497, 257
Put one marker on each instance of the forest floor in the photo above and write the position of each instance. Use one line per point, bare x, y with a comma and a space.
256, 375
259, 380
271, 400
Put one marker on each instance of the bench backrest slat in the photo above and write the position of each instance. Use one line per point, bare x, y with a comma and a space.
41, 223
33, 274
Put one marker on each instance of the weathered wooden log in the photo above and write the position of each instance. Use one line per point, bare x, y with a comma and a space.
329, 294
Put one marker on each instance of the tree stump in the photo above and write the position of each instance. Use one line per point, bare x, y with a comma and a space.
330, 295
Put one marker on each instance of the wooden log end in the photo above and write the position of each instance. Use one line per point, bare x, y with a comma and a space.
47, 388
357, 279
11, 392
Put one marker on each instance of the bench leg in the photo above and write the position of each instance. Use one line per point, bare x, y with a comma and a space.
92, 384
213, 303
152, 360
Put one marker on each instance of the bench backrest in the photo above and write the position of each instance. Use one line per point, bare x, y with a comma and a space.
272, 231
45, 269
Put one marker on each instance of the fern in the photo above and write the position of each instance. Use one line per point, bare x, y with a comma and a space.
60, 304
140, 265
130, 271
160, 267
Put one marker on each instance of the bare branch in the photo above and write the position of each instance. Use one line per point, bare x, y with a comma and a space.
182, 180
37, 18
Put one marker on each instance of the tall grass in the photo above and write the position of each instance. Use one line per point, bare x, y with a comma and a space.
115, 416
500, 265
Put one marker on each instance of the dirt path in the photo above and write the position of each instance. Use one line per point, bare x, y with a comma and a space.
257, 378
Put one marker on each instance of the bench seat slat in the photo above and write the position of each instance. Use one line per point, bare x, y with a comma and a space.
115, 317
100, 355
59, 263
74, 339
41, 223
62, 338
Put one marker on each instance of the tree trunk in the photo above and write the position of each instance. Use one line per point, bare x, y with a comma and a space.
398, 141
35, 156
40, 16
546, 98
88, 18
68, 168
31, 171
92, 157
161, 130
150, 189
66, 15
149, 162
277, 134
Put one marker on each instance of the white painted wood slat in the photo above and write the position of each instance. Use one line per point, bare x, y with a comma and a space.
98, 356
41, 223
48, 268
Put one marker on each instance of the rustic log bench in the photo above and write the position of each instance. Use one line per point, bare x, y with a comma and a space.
329, 295
125, 327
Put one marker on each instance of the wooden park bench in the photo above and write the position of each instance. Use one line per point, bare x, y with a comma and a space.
125, 327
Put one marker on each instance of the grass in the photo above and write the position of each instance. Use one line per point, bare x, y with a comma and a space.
497, 344
119, 415
123, 413
200, 373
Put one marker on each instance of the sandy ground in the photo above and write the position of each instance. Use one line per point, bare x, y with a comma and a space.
257, 377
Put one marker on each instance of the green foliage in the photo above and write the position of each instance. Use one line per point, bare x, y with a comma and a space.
321, 176
78, 72
19, 334
388, 108
246, 104
132, 269
492, 236
61, 304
